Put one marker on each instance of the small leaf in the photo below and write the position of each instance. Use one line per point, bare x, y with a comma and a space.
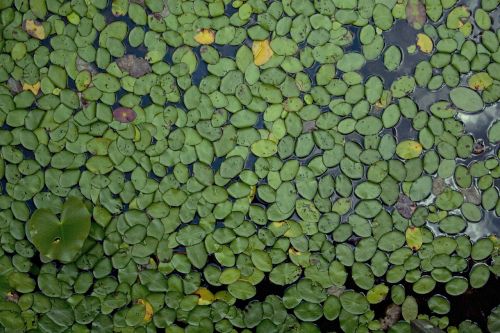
206, 296
424, 43
414, 238
262, 52
205, 36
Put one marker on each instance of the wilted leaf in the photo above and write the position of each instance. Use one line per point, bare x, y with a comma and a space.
206, 296
149, 310
205, 36
480, 81
414, 238
405, 206
424, 43
34, 88
34, 29
124, 115
14, 85
262, 52
135, 66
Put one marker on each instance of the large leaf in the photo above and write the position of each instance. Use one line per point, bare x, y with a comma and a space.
60, 239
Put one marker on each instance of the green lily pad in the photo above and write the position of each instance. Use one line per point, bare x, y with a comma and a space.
466, 99
60, 238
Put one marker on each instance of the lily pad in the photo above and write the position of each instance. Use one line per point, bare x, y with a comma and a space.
467, 100
60, 238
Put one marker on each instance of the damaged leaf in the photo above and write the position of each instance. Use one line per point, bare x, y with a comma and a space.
135, 66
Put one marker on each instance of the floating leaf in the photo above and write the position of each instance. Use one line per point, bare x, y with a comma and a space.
414, 238
466, 99
124, 115
377, 294
424, 43
409, 149
60, 239
205, 36
262, 52
206, 296
480, 81
354, 303
34, 29
410, 308
264, 148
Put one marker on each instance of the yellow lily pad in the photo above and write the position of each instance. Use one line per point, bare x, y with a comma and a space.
262, 52
424, 43
206, 296
34, 88
205, 36
34, 29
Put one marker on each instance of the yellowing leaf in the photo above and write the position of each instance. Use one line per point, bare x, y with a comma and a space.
262, 52
480, 81
149, 310
414, 238
206, 296
34, 88
34, 29
424, 43
205, 36
408, 149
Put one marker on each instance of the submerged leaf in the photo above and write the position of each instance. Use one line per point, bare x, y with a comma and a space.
415, 14
262, 52
133, 65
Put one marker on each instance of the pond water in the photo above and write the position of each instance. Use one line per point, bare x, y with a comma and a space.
193, 238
